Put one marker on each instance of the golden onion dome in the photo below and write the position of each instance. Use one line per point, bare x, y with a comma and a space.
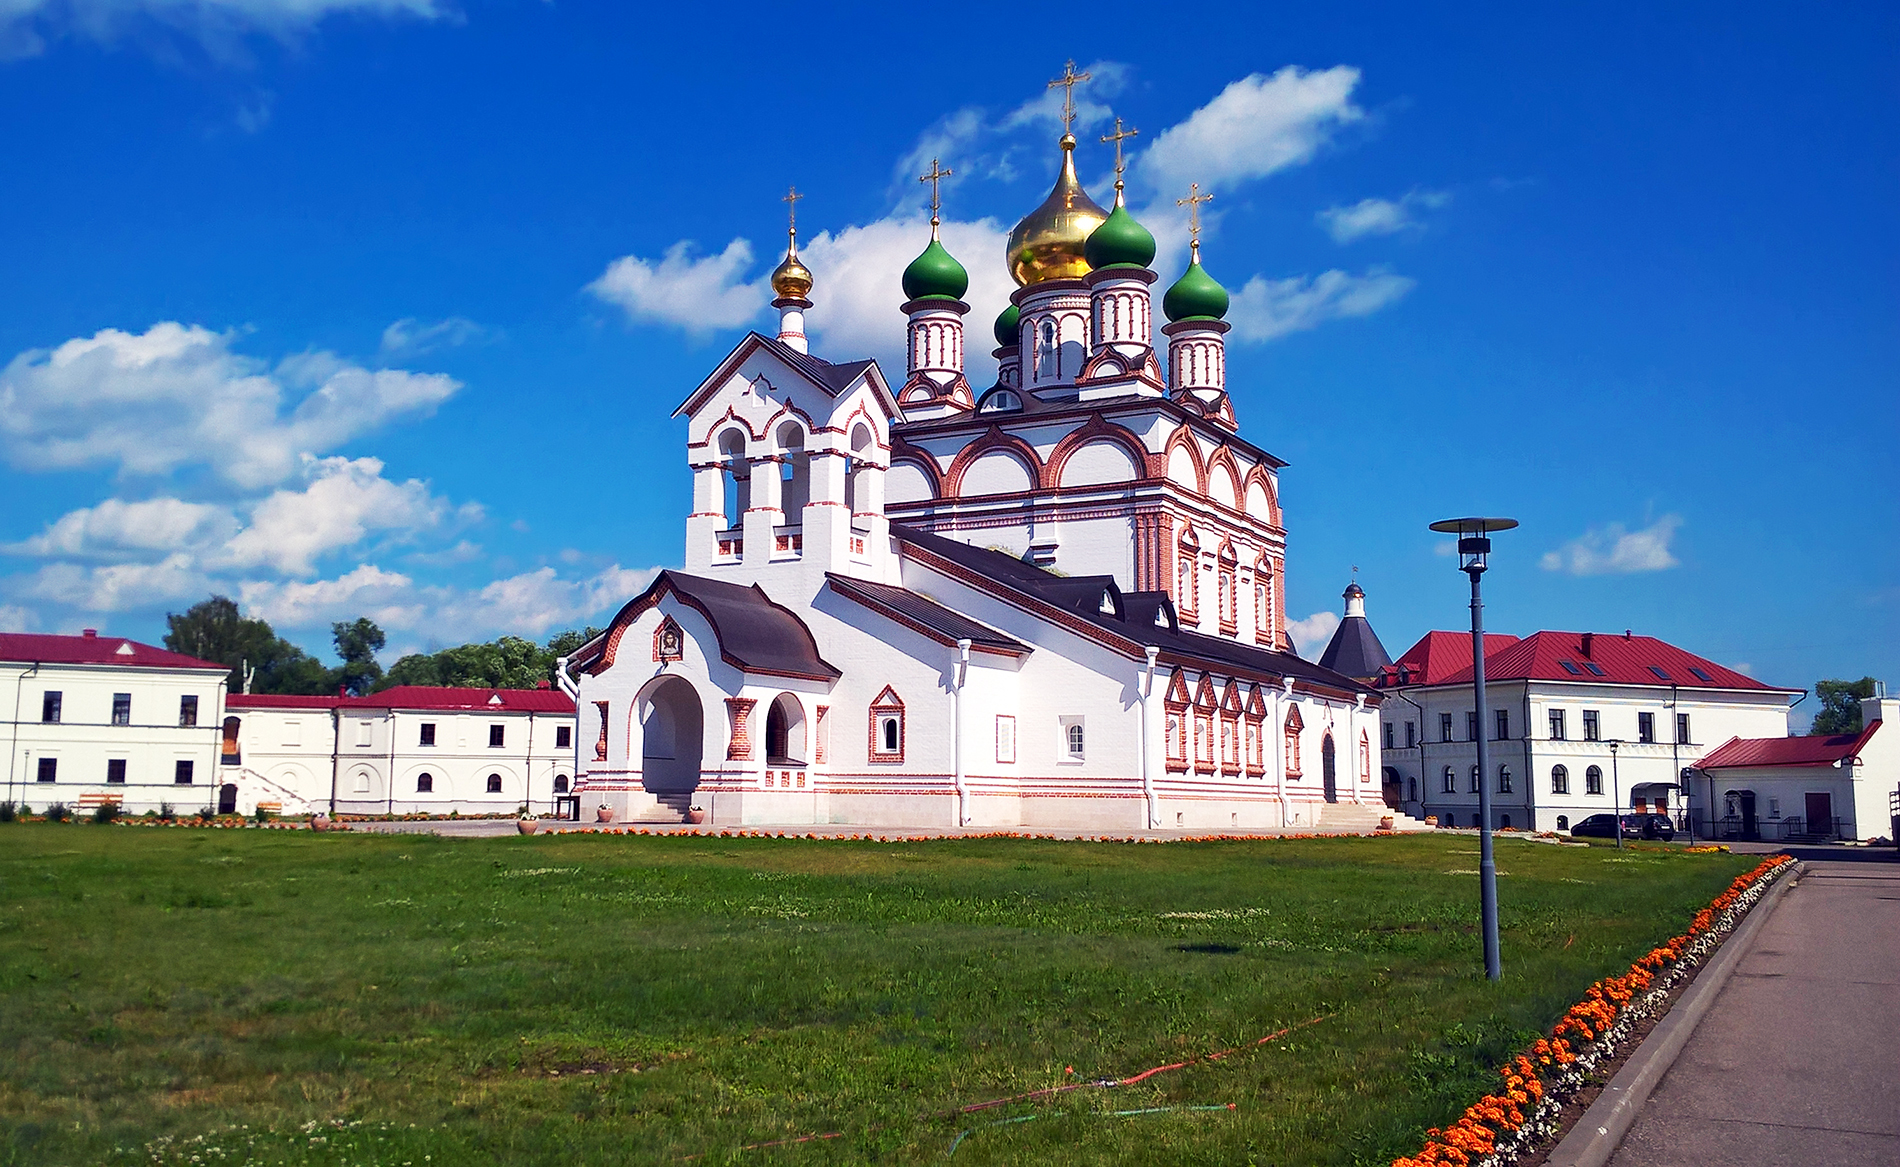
792, 279
1048, 243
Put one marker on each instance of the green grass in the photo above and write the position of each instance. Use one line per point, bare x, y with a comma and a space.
166, 994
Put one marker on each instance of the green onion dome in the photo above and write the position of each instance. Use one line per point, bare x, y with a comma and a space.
935, 275
1119, 242
1008, 326
1195, 296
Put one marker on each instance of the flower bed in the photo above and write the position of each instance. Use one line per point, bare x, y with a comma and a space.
1502, 1127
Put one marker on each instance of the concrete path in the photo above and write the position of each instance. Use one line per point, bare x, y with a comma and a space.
1799, 1060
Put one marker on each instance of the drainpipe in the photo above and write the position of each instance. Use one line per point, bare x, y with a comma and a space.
959, 673
1279, 734
573, 694
336, 744
13, 746
1144, 689
527, 769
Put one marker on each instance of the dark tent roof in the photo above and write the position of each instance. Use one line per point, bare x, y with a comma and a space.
1355, 649
754, 633
923, 613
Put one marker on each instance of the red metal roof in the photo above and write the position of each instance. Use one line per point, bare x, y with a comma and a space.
91, 649
1444, 658
1820, 750
279, 701
468, 700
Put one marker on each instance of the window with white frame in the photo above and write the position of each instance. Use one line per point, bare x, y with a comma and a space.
1451, 781
1005, 738
887, 727
1475, 779
1593, 780
1504, 780
1074, 740
1560, 780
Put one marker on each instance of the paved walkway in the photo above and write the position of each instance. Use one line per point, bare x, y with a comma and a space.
1799, 1060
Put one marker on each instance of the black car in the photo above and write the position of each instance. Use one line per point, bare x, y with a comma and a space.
1635, 826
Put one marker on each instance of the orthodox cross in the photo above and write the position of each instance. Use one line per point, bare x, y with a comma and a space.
1116, 138
936, 175
791, 201
1193, 204
1069, 79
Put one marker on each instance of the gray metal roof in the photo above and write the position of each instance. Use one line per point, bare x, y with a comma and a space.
1355, 649
923, 613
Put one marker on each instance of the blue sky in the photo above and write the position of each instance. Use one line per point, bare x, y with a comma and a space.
381, 306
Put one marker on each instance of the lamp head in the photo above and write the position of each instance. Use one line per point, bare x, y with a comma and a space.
1474, 543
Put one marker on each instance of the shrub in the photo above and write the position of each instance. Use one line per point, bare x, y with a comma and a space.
8, 811
166, 813
207, 813
261, 815
105, 812
59, 812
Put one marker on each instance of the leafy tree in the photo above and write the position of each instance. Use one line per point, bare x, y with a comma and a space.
357, 643
216, 631
1840, 705
508, 662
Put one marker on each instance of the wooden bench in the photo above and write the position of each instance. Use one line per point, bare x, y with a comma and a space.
271, 807
95, 801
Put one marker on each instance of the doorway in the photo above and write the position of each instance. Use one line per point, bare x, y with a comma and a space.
672, 729
1820, 808
1328, 768
1741, 814
227, 798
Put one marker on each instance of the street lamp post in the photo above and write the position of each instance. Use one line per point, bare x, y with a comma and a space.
1616, 790
1474, 544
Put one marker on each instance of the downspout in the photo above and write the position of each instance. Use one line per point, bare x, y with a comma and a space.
390, 781
13, 745
527, 769
1279, 735
959, 673
1352, 749
1675, 754
1143, 691
336, 742
1530, 773
573, 692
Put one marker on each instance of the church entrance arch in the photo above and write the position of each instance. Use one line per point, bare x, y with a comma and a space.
1329, 768
672, 739
785, 732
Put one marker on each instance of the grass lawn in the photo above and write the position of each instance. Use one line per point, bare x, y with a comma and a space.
205, 996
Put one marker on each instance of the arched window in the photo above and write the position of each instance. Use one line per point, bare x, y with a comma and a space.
1263, 600
1504, 823
1187, 592
887, 727
1563, 822
425, 783
1229, 600
785, 732
1048, 352
560, 784
854, 493
1559, 780
1411, 790
737, 478
1451, 781
1365, 757
494, 784
1294, 724
794, 473
1504, 780
1000, 401
1593, 780
1475, 779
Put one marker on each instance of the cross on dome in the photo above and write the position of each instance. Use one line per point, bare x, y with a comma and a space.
1069, 80
937, 174
1116, 138
1193, 203
791, 206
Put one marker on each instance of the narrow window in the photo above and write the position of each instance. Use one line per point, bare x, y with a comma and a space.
1563, 822
1073, 740
49, 770
890, 732
494, 784
1557, 725
425, 734
1559, 780
1390, 734
1411, 734
1504, 822
1593, 780
362, 733
425, 783
188, 710
563, 737
1006, 738
49, 706
181, 773
1475, 779
1504, 725
1682, 727
1591, 726
115, 771
560, 784
122, 709
496, 734
1444, 727
1471, 725
1451, 781
1645, 727
1504, 780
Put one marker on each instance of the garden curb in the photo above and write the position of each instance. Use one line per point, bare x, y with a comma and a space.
1601, 1129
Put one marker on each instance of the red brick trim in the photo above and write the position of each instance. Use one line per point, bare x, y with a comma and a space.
1100, 429
600, 744
739, 710
886, 703
993, 439
669, 641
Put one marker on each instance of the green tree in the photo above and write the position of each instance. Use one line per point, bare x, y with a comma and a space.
216, 631
1840, 705
357, 643
508, 662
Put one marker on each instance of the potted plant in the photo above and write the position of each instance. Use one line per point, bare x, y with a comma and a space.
696, 815
604, 813
320, 822
526, 825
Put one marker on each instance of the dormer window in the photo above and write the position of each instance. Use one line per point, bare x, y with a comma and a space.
1000, 401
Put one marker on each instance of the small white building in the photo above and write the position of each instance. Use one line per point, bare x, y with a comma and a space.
104, 718
1580, 723
413, 749
1822, 786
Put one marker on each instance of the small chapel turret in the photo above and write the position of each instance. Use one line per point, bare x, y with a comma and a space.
934, 285
1196, 332
791, 284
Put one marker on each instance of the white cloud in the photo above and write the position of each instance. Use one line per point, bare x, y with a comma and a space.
173, 396
1254, 127
1265, 309
117, 586
387, 597
1313, 634
697, 294
1106, 79
1615, 550
344, 502
27, 25
409, 338
14, 618
1378, 216
115, 527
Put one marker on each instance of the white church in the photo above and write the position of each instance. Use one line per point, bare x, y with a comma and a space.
1053, 602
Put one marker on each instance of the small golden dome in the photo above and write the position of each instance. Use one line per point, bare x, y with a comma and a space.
1047, 244
792, 279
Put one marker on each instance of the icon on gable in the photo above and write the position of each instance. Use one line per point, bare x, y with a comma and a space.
669, 643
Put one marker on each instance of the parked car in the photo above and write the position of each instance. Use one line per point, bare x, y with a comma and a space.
1635, 826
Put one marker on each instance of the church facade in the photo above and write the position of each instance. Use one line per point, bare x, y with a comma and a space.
1055, 601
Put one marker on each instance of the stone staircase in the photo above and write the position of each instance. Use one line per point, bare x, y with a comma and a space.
1346, 816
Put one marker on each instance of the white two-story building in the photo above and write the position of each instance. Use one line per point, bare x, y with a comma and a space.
1579, 723
102, 717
